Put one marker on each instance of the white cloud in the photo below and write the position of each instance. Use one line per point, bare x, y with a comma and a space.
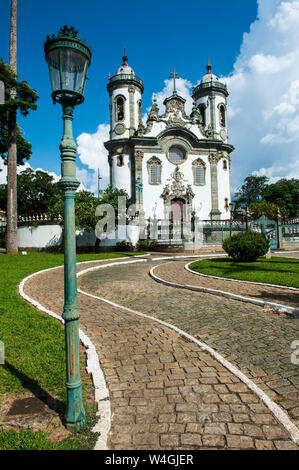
184, 89
92, 153
263, 104
20, 168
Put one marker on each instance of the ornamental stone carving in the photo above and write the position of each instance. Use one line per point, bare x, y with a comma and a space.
177, 189
213, 158
139, 156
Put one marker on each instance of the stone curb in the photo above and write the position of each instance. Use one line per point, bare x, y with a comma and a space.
292, 311
279, 414
237, 280
92, 366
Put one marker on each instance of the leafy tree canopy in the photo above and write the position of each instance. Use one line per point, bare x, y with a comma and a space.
284, 193
38, 193
263, 207
24, 101
251, 190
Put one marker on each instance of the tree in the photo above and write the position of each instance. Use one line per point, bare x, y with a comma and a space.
110, 196
24, 101
11, 214
284, 193
263, 207
37, 192
251, 190
20, 97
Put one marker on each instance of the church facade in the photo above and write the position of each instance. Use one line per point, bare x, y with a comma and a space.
175, 160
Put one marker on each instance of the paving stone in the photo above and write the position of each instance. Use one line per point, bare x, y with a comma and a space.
191, 439
240, 442
264, 445
213, 441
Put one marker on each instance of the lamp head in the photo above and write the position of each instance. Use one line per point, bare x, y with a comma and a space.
68, 58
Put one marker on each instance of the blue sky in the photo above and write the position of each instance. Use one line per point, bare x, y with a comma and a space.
241, 37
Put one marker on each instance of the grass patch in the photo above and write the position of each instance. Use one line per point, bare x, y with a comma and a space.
34, 342
276, 270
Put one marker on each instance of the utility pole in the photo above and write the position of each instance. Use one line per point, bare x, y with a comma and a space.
99, 181
11, 229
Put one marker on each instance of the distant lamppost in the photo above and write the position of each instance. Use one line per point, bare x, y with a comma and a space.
99, 183
68, 58
231, 208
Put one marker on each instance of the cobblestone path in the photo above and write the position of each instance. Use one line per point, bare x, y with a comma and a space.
255, 341
165, 392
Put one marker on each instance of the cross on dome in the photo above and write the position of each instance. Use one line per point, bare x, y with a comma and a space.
174, 76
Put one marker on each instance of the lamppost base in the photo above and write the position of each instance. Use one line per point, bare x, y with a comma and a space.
75, 418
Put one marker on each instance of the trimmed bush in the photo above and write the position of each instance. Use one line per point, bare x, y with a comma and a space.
246, 246
124, 246
142, 245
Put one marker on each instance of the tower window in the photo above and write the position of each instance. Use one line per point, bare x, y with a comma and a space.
154, 170
225, 164
120, 108
120, 160
202, 110
222, 115
199, 172
226, 203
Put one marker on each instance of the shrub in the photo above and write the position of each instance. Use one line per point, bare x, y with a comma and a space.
246, 246
141, 245
124, 246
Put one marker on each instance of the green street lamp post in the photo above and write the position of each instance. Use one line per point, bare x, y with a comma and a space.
68, 58
231, 208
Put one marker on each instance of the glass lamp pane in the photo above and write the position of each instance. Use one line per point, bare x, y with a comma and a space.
54, 69
67, 69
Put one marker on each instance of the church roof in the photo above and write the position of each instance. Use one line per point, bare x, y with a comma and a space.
125, 68
209, 76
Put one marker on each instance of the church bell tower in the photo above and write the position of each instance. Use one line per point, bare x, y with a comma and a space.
125, 91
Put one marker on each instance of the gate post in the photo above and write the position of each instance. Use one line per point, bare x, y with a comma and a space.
279, 230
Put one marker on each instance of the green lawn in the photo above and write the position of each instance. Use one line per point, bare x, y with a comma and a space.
279, 271
34, 345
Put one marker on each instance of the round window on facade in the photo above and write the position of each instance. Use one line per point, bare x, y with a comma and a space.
176, 155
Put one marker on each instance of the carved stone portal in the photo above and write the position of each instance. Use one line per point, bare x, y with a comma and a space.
176, 190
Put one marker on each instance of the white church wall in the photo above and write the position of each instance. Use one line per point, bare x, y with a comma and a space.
152, 193
122, 174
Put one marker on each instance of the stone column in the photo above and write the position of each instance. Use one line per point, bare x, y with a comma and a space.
215, 212
212, 115
138, 174
132, 110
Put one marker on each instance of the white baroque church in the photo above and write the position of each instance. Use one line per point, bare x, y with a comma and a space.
175, 159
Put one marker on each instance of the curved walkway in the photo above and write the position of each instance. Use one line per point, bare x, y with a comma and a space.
165, 391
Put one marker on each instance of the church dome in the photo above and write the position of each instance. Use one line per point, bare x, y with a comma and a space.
125, 68
209, 76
